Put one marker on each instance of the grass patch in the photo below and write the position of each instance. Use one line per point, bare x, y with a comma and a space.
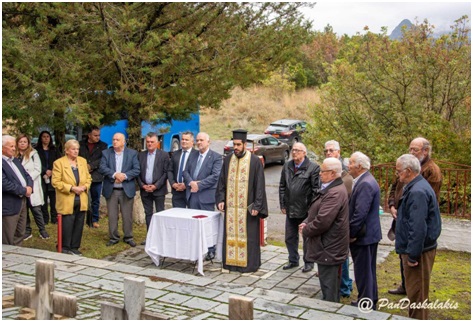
94, 240
254, 108
450, 280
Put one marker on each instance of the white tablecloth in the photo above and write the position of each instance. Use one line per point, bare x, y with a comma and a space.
175, 233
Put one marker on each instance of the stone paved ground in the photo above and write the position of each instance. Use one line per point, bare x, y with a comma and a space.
175, 290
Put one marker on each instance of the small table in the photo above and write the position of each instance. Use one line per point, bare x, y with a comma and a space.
176, 233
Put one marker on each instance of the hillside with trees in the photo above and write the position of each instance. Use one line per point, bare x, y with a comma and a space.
93, 63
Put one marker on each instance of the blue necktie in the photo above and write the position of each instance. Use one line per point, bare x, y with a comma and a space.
181, 167
197, 169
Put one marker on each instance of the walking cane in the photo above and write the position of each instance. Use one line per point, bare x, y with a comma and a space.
59, 233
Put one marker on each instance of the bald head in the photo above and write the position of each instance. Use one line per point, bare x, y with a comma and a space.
118, 142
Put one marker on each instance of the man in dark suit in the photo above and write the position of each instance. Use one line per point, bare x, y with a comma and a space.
177, 166
152, 180
201, 175
17, 185
365, 227
91, 149
119, 166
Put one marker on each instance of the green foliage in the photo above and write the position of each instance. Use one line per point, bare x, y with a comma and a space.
155, 58
381, 94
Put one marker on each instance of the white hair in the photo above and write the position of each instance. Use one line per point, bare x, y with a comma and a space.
206, 136
425, 144
409, 161
361, 159
333, 164
302, 146
6, 139
334, 143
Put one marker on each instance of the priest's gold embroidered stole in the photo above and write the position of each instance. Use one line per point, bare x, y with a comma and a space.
237, 194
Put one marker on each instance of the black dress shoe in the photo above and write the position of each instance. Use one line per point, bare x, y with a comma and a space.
131, 243
111, 243
354, 303
290, 265
210, 256
400, 291
308, 267
143, 243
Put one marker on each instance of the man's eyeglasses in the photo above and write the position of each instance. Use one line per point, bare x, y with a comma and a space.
398, 172
329, 150
326, 170
297, 150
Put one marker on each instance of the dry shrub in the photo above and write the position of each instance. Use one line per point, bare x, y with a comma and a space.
254, 108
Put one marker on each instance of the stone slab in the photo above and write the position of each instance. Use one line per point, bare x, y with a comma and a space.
154, 293
108, 285
230, 287
272, 295
278, 308
291, 283
175, 298
94, 262
316, 304
93, 271
194, 290
356, 313
81, 279
118, 267
200, 304
321, 315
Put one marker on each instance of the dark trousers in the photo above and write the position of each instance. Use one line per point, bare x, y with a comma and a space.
119, 202
418, 282
51, 195
72, 227
179, 199
364, 264
329, 277
291, 237
13, 226
148, 200
346, 284
95, 191
403, 278
37, 215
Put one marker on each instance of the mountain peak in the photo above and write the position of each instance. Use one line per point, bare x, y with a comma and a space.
397, 32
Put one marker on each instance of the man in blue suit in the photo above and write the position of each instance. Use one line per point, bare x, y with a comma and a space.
119, 166
17, 185
201, 178
201, 175
365, 227
177, 167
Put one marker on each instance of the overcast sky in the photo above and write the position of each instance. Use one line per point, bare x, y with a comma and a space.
351, 17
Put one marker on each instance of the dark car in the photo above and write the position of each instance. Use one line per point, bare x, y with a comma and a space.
288, 131
268, 148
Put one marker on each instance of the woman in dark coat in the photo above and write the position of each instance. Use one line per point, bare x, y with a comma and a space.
48, 154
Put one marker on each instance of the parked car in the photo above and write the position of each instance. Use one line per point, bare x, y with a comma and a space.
268, 148
288, 131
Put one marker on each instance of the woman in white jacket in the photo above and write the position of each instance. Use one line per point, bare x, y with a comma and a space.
32, 163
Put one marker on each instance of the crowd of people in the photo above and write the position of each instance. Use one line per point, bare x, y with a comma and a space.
333, 206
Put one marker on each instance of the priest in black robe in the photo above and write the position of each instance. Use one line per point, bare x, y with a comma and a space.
241, 194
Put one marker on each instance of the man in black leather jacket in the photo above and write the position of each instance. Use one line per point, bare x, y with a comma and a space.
91, 149
298, 185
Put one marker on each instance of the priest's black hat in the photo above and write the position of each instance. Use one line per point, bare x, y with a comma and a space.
240, 134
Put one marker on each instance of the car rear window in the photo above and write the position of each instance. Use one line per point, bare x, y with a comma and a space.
277, 127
